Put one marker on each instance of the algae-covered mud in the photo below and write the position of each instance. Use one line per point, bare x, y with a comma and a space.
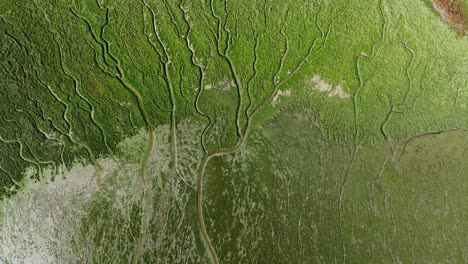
217, 131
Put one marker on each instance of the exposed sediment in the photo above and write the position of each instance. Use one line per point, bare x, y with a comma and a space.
454, 12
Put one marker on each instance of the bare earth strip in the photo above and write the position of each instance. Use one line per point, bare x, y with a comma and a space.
453, 12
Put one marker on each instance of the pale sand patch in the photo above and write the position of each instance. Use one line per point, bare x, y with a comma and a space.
42, 222
33, 219
223, 85
339, 92
277, 99
319, 84
37, 225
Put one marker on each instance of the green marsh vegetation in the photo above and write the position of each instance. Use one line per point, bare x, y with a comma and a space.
372, 175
